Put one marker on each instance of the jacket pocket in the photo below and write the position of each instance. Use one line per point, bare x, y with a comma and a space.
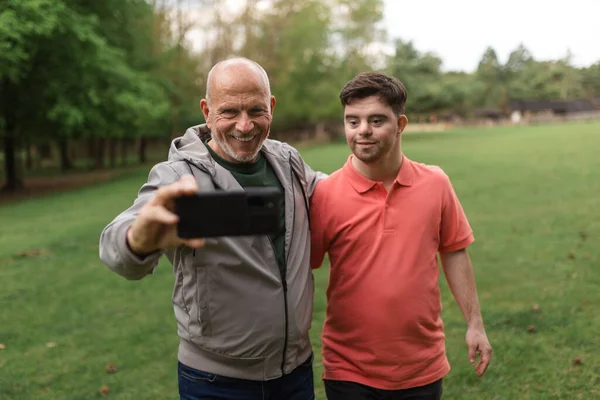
190, 298
203, 301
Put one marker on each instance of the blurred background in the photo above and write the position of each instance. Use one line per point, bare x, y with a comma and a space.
504, 96
94, 84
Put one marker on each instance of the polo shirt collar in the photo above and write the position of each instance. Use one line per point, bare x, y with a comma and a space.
362, 184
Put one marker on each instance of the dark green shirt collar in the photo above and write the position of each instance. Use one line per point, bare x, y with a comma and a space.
246, 168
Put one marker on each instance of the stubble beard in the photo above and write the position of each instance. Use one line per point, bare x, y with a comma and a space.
228, 149
368, 157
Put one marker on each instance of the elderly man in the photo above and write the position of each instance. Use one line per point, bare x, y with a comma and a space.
243, 304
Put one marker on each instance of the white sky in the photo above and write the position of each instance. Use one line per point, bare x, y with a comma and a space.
459, 31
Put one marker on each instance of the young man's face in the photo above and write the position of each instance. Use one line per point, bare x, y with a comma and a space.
372, 129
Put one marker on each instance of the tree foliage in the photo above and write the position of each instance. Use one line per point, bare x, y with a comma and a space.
124, 71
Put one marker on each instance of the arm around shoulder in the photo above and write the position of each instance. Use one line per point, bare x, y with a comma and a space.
312, 177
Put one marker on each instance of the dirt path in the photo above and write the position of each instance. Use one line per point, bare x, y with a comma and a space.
43, 185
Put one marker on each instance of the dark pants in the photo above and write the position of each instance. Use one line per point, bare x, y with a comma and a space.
342, 390
197, 385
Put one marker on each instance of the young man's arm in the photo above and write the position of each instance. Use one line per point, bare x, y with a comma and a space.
455, 236
461, 279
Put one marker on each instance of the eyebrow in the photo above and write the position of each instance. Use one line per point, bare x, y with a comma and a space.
350, 116
236, 107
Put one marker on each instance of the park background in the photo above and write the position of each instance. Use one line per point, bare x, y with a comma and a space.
92, 92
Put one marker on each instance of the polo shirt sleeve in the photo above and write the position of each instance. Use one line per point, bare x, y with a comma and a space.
317, 229
455, 231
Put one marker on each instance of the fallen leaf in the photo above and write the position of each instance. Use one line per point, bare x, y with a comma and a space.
571, 255
536, 308
2, 347
577, 361
531, 329
104, 390
51, 344
585, 303
33, 253
111, 368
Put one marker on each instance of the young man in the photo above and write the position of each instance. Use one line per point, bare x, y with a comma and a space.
383, 218
243, 304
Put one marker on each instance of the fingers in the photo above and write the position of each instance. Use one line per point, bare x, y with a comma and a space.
486, 357
185, 186
472, 352
194, 243
161, 215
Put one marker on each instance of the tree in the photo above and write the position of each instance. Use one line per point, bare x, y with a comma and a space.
22, 25
70, 71
590, 80
422, 76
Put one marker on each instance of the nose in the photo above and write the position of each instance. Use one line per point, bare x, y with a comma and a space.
244, 124
365, 129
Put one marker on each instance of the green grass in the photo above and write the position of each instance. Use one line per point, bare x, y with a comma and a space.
532, 195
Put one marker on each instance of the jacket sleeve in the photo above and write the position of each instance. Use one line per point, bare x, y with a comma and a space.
311, 177
318, 236
114, 250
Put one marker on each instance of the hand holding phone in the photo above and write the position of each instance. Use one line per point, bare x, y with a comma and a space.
155, 226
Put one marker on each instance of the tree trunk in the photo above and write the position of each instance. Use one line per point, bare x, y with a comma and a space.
11, 170
99, 153
124, 150
44, 153
143, 148
65, 161
91, 152
13, 180
28, 157
112, 152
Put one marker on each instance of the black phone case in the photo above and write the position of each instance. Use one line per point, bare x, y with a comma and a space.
253, 211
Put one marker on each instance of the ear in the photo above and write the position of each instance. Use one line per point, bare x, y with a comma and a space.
272, 104
402, 122
205, 110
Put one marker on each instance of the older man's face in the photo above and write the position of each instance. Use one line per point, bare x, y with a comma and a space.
239, 113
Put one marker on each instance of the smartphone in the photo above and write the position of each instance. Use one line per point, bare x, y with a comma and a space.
252, 211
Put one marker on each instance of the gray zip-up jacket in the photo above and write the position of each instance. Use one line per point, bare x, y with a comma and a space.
236, 316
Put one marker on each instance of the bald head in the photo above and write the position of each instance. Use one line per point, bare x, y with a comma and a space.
238, 109
235, 70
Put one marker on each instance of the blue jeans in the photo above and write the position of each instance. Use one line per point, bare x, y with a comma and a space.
199, 385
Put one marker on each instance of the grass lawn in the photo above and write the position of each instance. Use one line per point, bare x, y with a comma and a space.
532, 195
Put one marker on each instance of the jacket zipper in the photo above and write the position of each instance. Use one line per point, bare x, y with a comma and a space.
283, 274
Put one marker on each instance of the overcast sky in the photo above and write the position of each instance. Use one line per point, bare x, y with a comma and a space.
460, 30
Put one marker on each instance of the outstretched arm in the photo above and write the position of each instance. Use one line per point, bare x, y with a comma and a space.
133, 242
461, 279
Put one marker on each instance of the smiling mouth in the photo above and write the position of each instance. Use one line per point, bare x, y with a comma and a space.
243, 138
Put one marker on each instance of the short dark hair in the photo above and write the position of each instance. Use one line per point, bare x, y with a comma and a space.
365, 84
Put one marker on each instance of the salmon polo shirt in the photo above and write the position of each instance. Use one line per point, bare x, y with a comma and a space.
383, 327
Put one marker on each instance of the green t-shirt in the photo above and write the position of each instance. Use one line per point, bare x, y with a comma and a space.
259, 173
